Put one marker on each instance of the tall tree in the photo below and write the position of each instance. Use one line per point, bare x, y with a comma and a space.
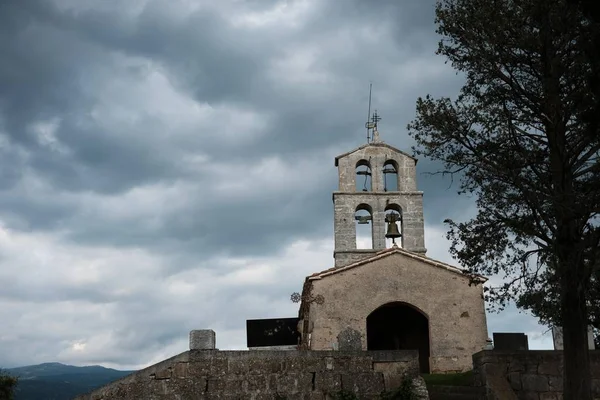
523, 137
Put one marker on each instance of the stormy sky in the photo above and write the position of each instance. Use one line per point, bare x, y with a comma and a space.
167, 165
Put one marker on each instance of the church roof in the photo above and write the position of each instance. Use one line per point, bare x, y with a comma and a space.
386, 253
382, 144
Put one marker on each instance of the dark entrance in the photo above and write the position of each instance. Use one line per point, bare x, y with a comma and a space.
399, 326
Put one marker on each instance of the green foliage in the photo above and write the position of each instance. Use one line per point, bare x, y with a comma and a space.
515, 136
8, 385
523, 137
406, 391
458, 379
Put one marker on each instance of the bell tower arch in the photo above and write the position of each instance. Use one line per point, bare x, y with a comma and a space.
382, 179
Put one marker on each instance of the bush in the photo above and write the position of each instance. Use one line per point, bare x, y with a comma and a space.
406, 391
7, 386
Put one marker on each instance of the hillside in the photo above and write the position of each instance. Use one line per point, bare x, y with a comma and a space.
55, 381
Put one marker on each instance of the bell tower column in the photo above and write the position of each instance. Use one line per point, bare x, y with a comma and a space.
379, 229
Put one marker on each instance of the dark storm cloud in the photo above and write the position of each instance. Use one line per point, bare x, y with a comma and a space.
203, 55
167, 167
41, 68
53, 54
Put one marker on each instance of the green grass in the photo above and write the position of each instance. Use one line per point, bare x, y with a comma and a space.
457, 379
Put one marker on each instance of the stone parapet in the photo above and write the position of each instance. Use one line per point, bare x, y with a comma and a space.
526, 374
199, 374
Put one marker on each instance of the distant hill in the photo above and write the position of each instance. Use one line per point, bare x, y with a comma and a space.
55, 381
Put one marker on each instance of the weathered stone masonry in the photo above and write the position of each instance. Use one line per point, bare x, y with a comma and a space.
527, 374
455, 310
347, 199
213, 374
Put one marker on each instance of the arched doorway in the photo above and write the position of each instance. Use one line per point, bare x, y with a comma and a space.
399, 326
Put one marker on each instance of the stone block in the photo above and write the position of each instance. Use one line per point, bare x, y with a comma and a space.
313, 364
328, 382
235, 384
203, 339
240, 366
253, 366
215, 396
549, 367
305, 364
355, 363
514, 378
263, 396
349, 340
516, 366
163, 374
295, 396
230, 385
272, 382
216, 384
184, 388
209, 367
555, 383
328, 363
180, 370
158, 387
534, 383
549, 396
294, 383
203, 355
394, 372
257, 383
293, 364
363, 383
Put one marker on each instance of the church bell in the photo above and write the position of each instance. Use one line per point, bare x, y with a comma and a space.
392, 231
392, 228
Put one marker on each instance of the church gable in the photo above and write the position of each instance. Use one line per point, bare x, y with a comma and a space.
391, 252
381, 145
397, 300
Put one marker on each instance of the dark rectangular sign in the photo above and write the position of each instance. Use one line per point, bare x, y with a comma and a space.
510, 341
272, 332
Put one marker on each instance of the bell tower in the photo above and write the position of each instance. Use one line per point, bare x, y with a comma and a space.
377, 188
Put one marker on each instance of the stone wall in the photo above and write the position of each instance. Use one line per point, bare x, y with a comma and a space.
213, 374
531, 375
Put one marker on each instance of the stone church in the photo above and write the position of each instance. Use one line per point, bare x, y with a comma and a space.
390, 296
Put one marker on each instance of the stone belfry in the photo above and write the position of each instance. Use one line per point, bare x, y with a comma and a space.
375, 180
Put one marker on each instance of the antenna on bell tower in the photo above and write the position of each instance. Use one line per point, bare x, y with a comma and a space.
371, 124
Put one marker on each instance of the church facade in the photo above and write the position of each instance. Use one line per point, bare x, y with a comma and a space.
389, 296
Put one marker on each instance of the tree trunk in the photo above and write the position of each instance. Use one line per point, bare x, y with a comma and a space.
576, 376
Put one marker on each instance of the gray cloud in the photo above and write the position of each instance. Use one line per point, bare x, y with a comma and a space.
168, 165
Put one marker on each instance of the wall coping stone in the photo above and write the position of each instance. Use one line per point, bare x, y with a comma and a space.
203, 339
